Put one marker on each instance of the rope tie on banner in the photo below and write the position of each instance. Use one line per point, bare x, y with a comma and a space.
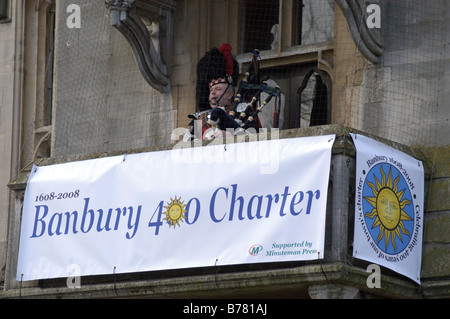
124, 158
321, 266
20, 287
115, 276
215, 272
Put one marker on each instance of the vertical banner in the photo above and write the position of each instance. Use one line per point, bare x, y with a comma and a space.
388, 207
260, 201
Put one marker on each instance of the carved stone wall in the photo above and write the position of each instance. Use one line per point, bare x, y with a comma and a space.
102, 100
368, 40
147, 25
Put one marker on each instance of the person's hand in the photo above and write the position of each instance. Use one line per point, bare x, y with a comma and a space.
221, 134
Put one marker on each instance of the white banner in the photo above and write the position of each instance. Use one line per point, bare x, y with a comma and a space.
252, 202
389, 207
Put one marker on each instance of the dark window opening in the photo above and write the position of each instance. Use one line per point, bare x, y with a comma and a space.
260, 19
4, 11
262, 24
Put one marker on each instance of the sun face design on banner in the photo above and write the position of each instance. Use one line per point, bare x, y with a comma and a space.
388, 208
175, 212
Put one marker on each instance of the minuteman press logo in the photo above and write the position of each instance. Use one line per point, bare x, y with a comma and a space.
255, 250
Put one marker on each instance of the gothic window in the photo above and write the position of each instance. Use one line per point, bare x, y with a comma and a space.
260, 25
261, 21
313, 97
293, 37
44, 106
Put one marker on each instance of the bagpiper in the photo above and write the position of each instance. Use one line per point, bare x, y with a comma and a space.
217, 77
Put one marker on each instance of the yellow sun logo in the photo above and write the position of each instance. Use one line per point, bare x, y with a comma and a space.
388, 208
175, 211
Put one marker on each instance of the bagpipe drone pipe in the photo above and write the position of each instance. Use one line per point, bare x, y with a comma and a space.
247, 112
247, 103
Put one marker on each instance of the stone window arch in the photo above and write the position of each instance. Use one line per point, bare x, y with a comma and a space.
314, 99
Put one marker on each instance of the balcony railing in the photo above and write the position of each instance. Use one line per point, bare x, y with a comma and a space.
338, 275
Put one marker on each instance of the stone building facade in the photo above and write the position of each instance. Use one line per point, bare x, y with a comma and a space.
77, 82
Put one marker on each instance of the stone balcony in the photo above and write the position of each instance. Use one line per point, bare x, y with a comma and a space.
338, 275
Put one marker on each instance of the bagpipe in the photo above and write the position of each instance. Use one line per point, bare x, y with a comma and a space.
246, 105
248, 111
247, 102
